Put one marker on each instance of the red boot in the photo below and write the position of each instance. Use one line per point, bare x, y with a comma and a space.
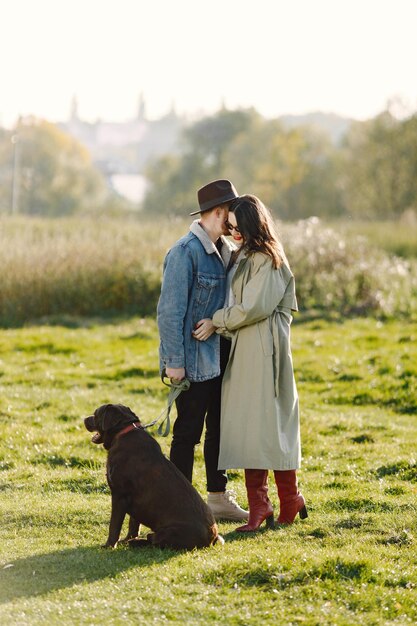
290, 499
260, 508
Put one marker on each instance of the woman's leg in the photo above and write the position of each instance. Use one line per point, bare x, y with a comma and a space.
290, 499
260, 507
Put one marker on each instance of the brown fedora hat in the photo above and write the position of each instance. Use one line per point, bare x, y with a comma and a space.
215, 193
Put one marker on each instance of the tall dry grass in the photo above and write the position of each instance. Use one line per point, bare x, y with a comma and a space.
79, 267
104, 267
395, 237
343, 273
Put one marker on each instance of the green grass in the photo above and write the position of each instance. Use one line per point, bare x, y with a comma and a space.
353, 561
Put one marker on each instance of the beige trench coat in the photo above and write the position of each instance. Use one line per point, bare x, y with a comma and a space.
259, 416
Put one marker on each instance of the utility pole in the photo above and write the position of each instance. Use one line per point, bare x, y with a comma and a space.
15, 176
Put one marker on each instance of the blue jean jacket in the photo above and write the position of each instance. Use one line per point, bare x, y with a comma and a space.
193, 288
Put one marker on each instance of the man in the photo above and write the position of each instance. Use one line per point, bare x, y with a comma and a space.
193, 288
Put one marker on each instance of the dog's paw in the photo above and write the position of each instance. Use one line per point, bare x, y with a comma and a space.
109, 545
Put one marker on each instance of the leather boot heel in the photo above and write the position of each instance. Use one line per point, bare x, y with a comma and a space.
247, 528
291, 501
303, 512
260, 507
269, 521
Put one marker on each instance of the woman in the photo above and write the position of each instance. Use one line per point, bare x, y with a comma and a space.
260, 417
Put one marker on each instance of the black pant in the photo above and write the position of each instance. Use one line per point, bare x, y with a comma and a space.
200, 403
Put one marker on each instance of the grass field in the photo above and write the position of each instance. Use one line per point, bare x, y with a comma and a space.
353, 561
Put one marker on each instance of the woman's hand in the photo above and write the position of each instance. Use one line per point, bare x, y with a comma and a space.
203, 329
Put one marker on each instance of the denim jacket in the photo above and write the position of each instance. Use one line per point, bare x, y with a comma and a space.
193, 288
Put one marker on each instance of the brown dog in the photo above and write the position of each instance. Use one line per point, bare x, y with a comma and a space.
149, 488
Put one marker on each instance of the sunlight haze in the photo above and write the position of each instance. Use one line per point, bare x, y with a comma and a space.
281, 57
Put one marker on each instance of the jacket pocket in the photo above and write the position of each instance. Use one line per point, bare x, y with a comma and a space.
204, 289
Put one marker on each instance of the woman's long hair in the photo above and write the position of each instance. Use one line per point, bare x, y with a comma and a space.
257, 228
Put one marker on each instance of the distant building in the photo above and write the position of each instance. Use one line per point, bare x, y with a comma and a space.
121, 150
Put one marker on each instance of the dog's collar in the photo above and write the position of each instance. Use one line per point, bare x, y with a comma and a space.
132, 426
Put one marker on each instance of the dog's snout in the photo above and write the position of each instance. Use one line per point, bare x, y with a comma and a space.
89, 423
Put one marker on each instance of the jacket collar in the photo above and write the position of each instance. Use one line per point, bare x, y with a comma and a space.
211, 248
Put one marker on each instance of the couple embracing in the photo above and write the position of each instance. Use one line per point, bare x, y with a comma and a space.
224, 319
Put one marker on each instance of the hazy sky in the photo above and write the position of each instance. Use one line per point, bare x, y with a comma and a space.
279, 56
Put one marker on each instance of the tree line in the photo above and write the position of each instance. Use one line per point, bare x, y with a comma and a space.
298, 172
371, 173
46, 172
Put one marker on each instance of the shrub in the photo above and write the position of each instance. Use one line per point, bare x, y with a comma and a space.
346, 274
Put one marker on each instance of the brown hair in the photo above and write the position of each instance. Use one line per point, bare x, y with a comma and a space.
257, 228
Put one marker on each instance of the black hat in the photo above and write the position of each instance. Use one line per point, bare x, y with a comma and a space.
215, 193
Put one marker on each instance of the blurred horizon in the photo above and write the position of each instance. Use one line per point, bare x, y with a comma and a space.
346, 58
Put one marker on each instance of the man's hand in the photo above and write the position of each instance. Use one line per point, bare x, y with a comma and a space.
175, 373
204, 329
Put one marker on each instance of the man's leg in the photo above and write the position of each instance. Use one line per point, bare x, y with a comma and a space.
188, 426
221, 501
216, 479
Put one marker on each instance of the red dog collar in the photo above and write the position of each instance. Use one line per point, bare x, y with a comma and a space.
133, 426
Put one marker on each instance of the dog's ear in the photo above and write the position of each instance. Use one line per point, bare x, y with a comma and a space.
103, 417
127, 413
108, 417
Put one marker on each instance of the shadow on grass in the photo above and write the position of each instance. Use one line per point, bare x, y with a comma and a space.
232, 535
40, 574
68, 320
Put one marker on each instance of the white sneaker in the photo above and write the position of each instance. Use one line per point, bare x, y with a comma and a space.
224, 506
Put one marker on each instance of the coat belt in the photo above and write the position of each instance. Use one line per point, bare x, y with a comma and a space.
273, 325
275, 357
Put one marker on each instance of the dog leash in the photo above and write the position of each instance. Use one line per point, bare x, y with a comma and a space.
175, 388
